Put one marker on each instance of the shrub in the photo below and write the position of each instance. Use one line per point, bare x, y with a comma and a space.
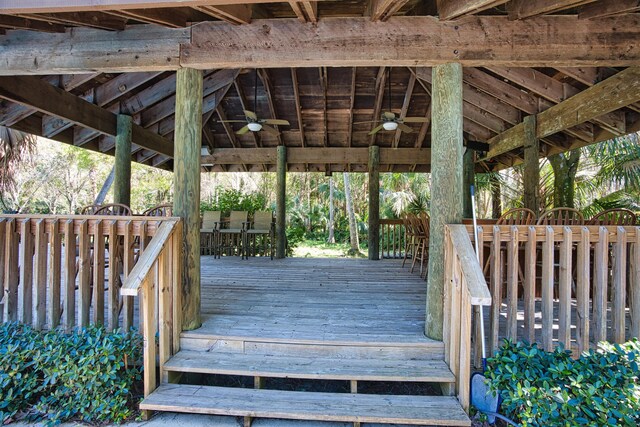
86, 375
234, 200
542, 388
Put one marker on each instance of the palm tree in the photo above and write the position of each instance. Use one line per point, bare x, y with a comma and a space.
14, 147
353, 226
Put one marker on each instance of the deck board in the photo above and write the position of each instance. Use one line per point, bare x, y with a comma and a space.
303, 300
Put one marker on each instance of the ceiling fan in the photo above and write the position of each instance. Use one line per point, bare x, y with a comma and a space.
391, 122
253, 122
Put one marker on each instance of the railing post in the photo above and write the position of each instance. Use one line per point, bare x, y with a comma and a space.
374, 203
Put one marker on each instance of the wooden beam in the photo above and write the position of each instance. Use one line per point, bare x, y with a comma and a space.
186, 184
609, 95
266, 83
306, 11
57, 6
374, 203
588, 76
451, 9
405, 107
227, 127
48, 99
296, 99
122, 165
519, 9
352, 100
235, 14
609, 8
381, 10
531, 178
380, 89
97, 20
500, 89
317, 155
325, 118
172, 18
281, 202
15, 22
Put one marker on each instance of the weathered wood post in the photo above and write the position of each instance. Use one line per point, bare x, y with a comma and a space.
281, 211
374, 203
531, 165
186, 187
468, 179
446, 182
122, 166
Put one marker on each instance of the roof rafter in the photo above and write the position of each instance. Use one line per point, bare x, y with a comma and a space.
235, 14
380, 87
381, 10
405, 107
451, 9
609, 8
519, 9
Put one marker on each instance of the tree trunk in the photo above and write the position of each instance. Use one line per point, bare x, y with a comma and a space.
332, 237
496, 197
105, 187
565, 166
353, 228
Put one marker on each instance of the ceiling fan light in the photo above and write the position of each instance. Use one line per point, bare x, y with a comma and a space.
254, 127
390, 125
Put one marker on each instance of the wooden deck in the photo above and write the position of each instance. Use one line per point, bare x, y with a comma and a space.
312, 301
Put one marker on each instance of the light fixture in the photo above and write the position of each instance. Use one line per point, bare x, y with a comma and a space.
390, 125
254, 126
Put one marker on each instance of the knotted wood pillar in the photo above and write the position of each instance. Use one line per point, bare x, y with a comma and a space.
122, 166
446, 182
531, 165
186, 187
281, 201
374, 203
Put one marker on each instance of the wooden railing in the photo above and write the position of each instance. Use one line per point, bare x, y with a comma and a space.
465, 288
157, 278
575, 285
393, 238
67, 270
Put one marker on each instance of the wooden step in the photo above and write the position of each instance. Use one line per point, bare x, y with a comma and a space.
342, 407
278, 366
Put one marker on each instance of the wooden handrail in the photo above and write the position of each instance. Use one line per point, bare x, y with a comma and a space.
465, 287
143, 267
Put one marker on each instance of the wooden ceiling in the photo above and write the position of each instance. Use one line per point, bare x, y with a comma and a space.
330, 108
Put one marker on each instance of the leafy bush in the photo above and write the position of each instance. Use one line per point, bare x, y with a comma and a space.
542, 388
234, 200
86, 375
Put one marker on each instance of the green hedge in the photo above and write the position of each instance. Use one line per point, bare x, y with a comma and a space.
540, 388
87, 375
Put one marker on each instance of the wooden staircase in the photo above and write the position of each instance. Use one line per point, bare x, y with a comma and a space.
420, 361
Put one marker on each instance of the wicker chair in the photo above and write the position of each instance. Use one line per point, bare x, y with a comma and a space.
614, 217
263, 228
561, 216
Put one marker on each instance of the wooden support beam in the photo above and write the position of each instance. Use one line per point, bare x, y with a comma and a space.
588, 76
281, 202
56, 6
374, 203
381, 10
380, 89
503, 91
296, 99
519, 9
236, 14
468, 179
175, 18
317, 155
325, 118
451, 9
20, 23
306, 11
96, 20
186, 184
405, 107
609, 8
609, 95
51, 100
531, 177
227, 127
245, 106
122, 165
446, 183
266, 82
352, 100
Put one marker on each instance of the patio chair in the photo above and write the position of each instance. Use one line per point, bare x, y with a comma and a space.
614, 217
165, 209
113, 209
561, 216
89, 209
262, 228
209, 232
410, 238
518, 216
230, 238
421, 226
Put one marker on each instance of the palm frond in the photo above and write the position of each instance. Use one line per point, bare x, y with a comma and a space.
15, 146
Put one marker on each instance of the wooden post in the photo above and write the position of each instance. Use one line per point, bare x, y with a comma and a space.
122, 166
281, 184
374, 203
446, 182
186, 184
531, 165
468, 179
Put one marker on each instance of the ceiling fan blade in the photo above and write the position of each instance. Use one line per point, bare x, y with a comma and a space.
270, 130
251, 115
375, 130
243, 130
414, 120
388, 115
404, 128
276, 122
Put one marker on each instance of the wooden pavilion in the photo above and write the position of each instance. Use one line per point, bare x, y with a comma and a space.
155, 81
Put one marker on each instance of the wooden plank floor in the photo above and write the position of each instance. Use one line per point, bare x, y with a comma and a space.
316, 301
